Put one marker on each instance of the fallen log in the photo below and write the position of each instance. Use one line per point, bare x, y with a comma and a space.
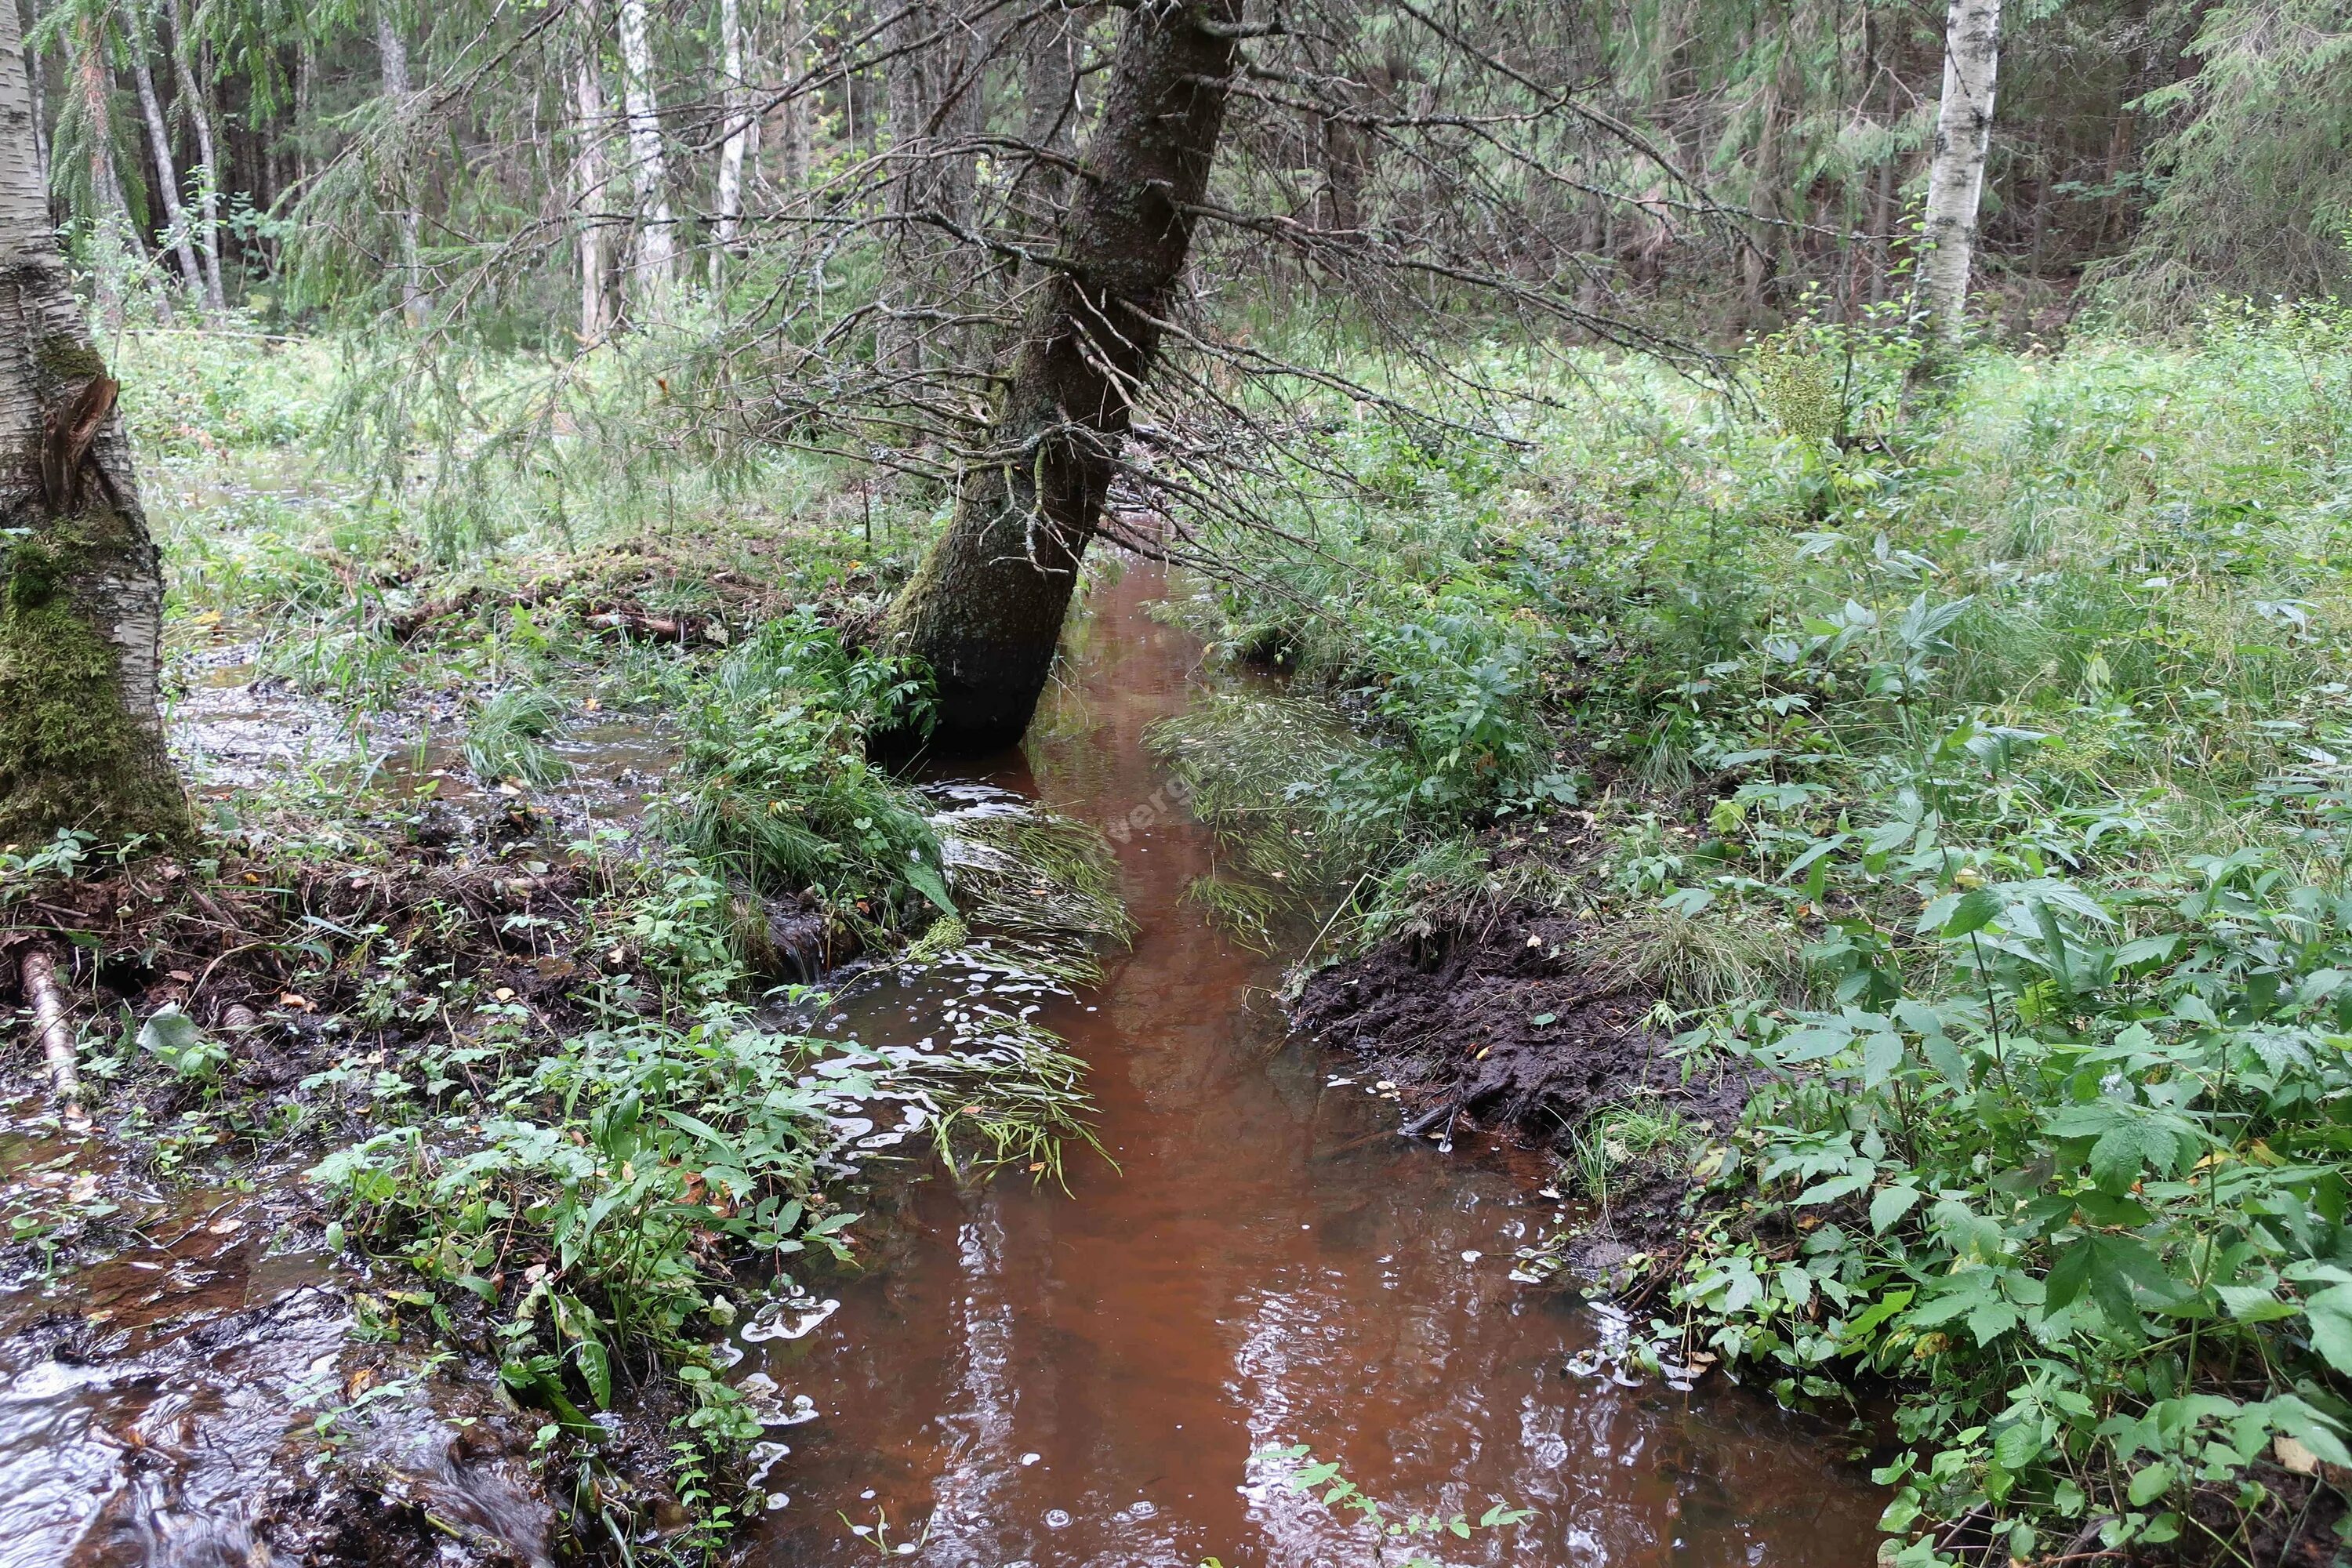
680, 629
39, 970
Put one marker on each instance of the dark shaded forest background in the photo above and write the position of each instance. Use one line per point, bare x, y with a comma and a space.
470, 161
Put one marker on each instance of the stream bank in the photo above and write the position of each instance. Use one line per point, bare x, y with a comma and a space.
1108, 1368
1116, 1375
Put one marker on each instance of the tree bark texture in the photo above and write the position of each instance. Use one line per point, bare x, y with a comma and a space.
200, 120
985, 608
392, 50
55, 1026
159, 137
798, 116
1955, 175
656, 263
1050, 104
82, 737
588, 167
735, 108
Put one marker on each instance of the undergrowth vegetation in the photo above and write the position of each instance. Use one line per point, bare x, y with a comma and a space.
1975, 772
542, 1031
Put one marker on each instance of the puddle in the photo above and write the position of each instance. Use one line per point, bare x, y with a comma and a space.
234, 728
1033, 1379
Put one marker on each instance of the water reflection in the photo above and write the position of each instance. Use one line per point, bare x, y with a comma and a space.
1029, 1378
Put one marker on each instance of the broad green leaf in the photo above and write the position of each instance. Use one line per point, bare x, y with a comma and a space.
1890, 1204
2150, 1484
1977, 908
2330, 1313
2015, 1445
925, 880
2255, 1303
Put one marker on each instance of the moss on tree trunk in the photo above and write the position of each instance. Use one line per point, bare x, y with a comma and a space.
81, 588
985, 607
73, 753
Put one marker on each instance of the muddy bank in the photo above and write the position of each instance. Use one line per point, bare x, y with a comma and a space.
1507, 1024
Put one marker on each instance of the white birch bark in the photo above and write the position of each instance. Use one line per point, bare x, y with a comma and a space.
207, 170
159, 137
657, 258
734, 105
588, 100
799, 112
83, 572
392, 50
40, 112
1955, 176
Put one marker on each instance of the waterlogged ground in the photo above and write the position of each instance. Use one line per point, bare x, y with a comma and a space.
1039, 1379
1024, 1377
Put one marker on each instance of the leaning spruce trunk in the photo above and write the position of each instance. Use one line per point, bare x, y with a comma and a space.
1955, 176
82, 742
985, 609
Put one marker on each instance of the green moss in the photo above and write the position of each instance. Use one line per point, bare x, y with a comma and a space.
67, 358
33, 572
69, 756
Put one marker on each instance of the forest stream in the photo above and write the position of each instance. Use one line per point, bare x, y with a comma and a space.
1021, 1375
1093, 1379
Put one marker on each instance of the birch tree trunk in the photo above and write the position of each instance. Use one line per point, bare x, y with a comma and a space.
799, 113
588, 100
985, 609
734, 107
1955, 175
81, 739
159, 136
207, 171
392, 50
656, 263
33, 71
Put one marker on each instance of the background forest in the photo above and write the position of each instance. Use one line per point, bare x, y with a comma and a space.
331, 162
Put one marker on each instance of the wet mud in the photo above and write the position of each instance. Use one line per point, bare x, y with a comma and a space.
193, 1392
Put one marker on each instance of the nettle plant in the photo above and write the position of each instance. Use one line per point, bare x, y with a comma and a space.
2088, 1207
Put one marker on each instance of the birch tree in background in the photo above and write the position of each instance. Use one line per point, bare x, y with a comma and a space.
198, 109
81, 618
735, 119
655, 265
392, 50
588, 165
1955, 176
158, 138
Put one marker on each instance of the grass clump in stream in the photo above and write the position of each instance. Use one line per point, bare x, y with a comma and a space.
506, 740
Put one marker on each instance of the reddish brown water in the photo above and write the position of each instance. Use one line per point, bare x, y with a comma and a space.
1038, 1379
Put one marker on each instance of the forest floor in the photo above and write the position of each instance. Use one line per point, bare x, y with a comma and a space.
461, 1087
1891, 848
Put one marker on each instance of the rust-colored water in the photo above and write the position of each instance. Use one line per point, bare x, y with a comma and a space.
1039, 1379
